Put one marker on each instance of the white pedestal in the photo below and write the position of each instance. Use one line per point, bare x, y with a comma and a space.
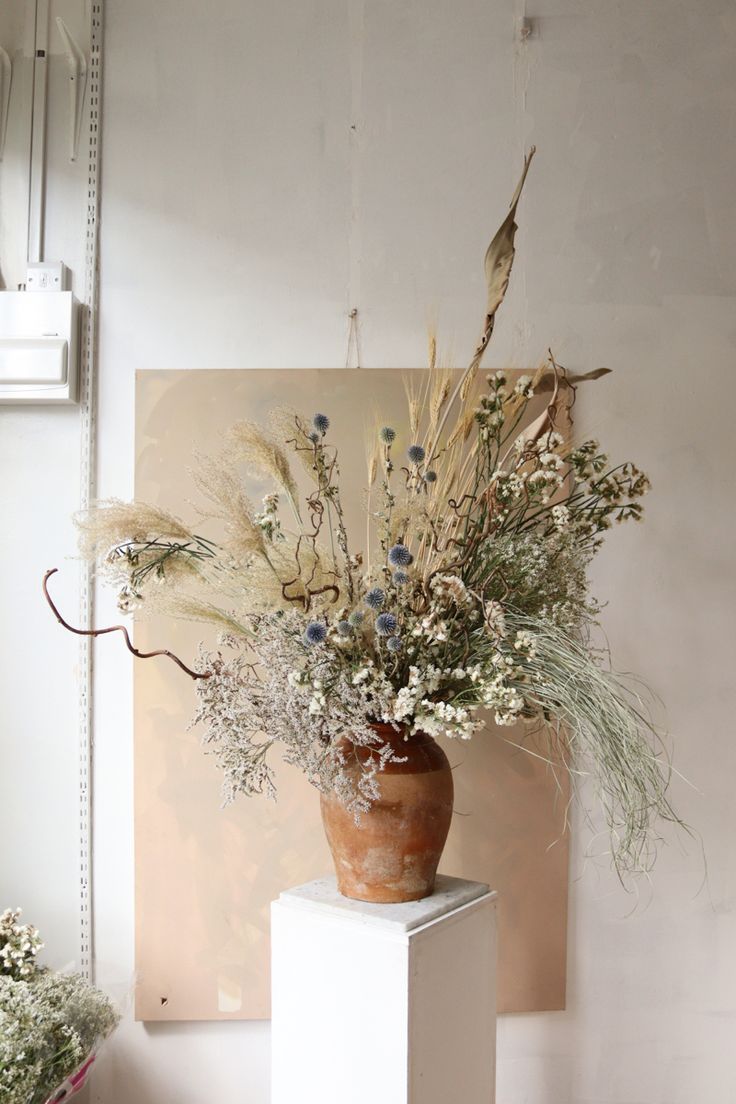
384, 1004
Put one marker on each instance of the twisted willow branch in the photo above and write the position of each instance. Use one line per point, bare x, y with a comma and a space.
116, 628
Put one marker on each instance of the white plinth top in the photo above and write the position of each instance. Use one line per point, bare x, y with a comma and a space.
322, 896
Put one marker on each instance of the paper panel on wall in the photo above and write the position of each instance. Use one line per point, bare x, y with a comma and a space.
205, 875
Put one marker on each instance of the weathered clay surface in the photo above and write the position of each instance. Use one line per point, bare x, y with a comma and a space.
393, 853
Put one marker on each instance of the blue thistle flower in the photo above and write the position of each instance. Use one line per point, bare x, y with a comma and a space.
386, 624
315, 633
388, 435
344, 628
430, 477
401, 578
355, 619
321, 422
416, 454
394, 644
399, 556
375, 598
314, 437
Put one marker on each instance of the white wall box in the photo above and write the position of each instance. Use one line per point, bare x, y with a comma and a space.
390, 1003
38, 347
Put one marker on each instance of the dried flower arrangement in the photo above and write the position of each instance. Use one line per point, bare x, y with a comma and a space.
470, 592
50, 1024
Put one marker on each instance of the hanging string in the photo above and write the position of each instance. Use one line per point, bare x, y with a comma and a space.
353, 338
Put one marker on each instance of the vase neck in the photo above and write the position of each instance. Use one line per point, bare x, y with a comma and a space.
399, 737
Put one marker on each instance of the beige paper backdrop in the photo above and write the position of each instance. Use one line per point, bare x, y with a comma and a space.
205, 876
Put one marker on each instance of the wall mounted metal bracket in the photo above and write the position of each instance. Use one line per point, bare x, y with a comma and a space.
77, 63
6, 79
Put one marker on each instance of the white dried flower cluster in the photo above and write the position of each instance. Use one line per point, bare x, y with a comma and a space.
268, 519
433, 627
547, 578
453, 588
490, 414
544, 483
49, 1022
560, 516
300, 697
19, 946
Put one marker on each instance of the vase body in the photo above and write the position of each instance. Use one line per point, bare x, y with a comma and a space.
392, 854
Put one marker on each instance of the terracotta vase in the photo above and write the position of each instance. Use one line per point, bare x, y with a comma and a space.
393, 853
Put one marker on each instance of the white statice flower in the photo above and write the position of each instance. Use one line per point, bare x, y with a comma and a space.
487, 405
525, 643
432, 679
404, 704
433, 627
425, 680
560, 516
545, 483
453, 589
504, 665
523, 387
19, 946
499, 691
316, 705
438, 718
267, 518
509, 486
552, 440
505, 700
318, 701
551, 461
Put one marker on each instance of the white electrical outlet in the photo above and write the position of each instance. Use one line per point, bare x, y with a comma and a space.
47, 276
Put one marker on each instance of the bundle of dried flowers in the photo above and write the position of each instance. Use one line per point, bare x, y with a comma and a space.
470, 592
50, 1023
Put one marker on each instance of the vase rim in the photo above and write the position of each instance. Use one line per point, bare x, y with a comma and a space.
400, 730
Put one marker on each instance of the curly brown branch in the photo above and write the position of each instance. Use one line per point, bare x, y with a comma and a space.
117, 628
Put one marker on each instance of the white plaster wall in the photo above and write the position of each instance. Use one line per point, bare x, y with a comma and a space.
243, 218
39, 491
39, 688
